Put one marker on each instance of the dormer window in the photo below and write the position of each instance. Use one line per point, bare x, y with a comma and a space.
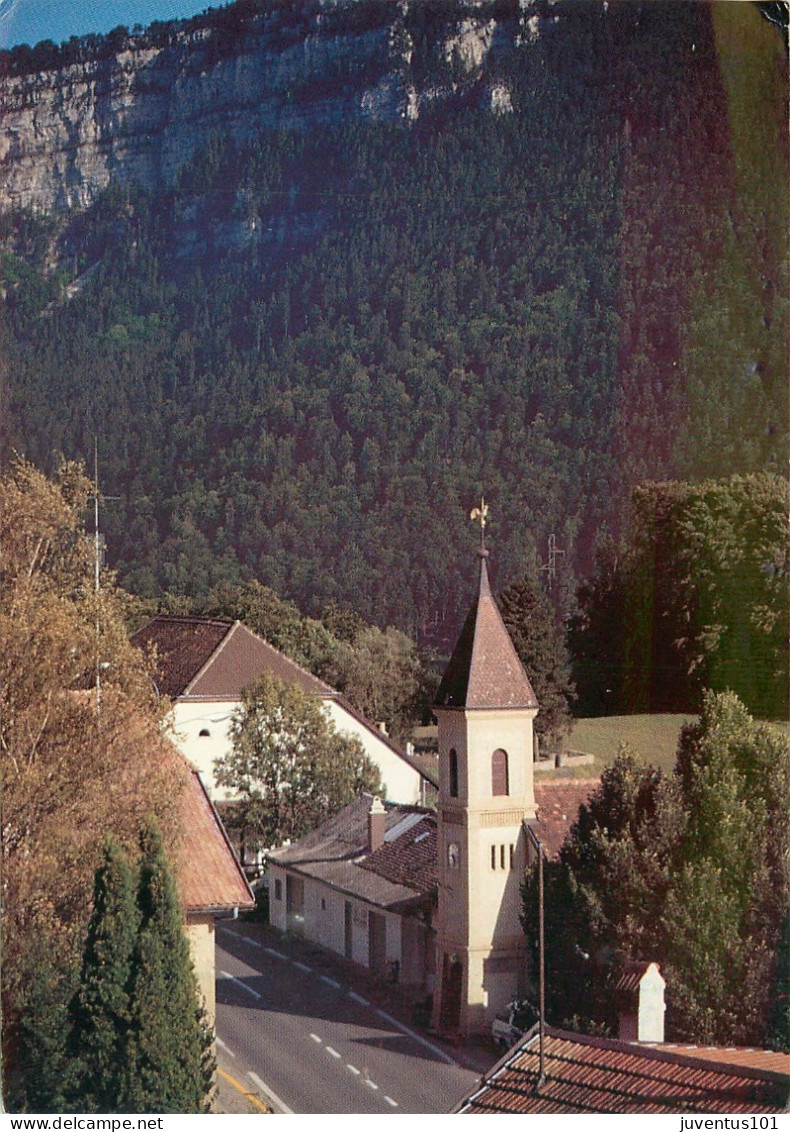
204, 733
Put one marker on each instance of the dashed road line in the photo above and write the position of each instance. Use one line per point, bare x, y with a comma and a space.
250, 941
302, 967
333, 1052
225, 1049
233, 979
372, 1084
316, 1038
281, 1106
358, 998
329, 982
274, 953
390, 1101
353, 1069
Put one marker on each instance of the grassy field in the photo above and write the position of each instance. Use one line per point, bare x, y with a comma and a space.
653, 737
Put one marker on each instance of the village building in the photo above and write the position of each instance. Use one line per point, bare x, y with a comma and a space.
203, 664
211, 883
568, 1073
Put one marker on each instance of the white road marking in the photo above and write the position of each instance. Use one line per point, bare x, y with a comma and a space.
372, 1084
302, 967
416, 1037
358, 998
224, 1048
251, 942
329, 982
354, 1070
233, 979
316, 1038
275, 954
270, 1095
333, 1052
389, 1100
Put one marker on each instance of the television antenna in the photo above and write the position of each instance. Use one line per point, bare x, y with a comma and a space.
550, 565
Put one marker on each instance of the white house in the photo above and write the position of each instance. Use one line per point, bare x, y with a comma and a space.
204, 663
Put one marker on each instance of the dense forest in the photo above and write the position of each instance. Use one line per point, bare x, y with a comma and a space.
306, 360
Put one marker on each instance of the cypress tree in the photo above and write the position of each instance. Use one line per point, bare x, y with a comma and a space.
169, 1065
100, 1008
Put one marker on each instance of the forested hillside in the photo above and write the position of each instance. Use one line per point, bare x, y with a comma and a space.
306, 359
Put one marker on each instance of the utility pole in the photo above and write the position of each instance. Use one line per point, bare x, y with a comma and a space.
551, 562
97, 549
538, 847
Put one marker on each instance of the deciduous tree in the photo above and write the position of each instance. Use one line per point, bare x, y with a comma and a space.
290, 766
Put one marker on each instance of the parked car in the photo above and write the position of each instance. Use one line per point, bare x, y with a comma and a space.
513, 1022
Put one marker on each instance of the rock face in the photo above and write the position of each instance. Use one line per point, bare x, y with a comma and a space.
140, 112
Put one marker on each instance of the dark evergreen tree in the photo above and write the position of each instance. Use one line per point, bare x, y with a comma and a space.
100, 1009
529, 617
169, 1065
38, 1067
690, 871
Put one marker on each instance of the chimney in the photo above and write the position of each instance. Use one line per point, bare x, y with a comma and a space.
377, 825
640, 994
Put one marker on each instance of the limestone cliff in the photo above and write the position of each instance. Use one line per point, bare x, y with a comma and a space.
138, 110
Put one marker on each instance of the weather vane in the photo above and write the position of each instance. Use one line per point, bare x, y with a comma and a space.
481, 515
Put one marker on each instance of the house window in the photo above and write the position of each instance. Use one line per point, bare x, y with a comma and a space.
493, 856
499, 775
453, 855
453, 773
204, 733
501, 856
278, 890
512, 854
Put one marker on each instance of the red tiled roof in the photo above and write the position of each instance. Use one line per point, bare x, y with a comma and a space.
589, 1075
212, 658
484, 670
210, 877
409, 859
402, 870
558, 803
768, 1059
183, 646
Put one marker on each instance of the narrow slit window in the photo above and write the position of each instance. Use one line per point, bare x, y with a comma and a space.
493, 856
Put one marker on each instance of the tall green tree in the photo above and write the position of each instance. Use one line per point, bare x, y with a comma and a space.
290, 766
690, 871
169, 1065
529, 617
100, 1009
696, 598
380, 672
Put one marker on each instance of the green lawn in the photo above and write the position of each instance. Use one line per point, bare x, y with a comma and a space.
653, 737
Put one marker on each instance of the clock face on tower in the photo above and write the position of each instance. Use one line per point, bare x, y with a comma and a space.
453, 855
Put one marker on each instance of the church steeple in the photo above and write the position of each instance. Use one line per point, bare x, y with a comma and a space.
485, 707
484, 670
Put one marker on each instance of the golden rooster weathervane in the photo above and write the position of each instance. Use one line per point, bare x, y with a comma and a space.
481, 515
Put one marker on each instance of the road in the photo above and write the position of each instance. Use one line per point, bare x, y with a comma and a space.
317, 1045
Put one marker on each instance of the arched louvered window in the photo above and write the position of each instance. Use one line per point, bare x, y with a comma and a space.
453, 773
499, 776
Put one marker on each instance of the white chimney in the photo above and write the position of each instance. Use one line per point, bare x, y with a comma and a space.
377, 825
640, 991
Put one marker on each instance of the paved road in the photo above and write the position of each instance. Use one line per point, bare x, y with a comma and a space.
299, 1031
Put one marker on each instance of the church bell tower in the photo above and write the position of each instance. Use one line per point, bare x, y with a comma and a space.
485, 709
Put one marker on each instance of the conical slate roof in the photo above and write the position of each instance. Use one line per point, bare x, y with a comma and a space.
484, 670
